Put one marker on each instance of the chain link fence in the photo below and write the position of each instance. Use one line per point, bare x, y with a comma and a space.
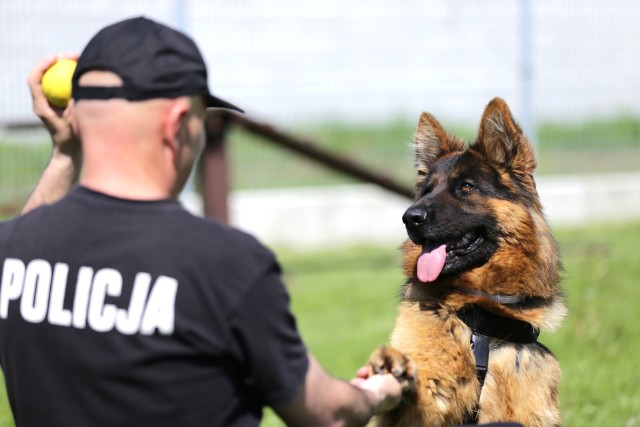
355, 76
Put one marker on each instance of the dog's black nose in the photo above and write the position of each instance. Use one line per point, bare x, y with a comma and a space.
414, 217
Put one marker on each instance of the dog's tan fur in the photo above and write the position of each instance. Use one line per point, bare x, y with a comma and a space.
523, 379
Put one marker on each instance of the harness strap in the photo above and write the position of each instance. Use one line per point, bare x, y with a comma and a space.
480, 348
487, 323
484, 325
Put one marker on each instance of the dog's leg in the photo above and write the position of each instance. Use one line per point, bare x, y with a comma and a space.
446, 387
387, 360
522, 386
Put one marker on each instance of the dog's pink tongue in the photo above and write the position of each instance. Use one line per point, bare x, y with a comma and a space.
431, 262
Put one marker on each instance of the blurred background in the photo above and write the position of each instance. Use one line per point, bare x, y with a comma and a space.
352, 78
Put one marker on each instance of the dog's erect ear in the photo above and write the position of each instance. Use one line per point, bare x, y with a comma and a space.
501, 140
432, 142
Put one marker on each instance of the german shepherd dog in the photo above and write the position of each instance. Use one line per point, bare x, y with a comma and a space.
482, 279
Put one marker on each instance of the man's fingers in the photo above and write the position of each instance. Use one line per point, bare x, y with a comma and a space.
68, 55
363, 372
357, 382
56, 120
385, 382
361, 377
40, 104
386, 387
35, 76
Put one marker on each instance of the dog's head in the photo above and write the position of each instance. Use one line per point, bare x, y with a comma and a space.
477, 219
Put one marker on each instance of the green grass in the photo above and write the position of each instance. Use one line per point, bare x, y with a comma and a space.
20, 167
352, 293
597, 145
598, 345
345, 303
6, 419
621, 131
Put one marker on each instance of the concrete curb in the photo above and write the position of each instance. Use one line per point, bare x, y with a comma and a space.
334, 216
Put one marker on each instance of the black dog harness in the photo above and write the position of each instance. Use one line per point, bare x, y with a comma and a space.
484, 325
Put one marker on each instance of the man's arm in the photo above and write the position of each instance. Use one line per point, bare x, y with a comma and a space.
327, 401
281, 371
64, 166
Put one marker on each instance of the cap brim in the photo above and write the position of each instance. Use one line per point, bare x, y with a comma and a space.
215, 102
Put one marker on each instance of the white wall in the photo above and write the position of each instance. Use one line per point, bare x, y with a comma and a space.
320, 217
294, 61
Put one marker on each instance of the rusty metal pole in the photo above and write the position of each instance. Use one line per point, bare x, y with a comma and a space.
323, 156
214, 168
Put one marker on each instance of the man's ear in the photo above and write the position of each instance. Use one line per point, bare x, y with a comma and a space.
174, 122
70, 113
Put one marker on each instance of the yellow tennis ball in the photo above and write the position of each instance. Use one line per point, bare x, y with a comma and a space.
56, 82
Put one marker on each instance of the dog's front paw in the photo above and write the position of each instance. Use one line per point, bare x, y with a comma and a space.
386, 360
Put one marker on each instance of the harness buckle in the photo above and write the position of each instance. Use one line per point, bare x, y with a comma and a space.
480, 348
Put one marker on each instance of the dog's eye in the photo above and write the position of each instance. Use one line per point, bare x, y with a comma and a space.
426, 188
467, 187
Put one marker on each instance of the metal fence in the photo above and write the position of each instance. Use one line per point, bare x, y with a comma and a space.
355, 76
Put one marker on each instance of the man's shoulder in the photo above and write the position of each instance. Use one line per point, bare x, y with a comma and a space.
7, 225
227, 239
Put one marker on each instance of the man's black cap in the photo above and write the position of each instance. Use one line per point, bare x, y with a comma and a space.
153, 60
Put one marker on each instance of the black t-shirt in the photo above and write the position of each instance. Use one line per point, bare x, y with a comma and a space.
126, 313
